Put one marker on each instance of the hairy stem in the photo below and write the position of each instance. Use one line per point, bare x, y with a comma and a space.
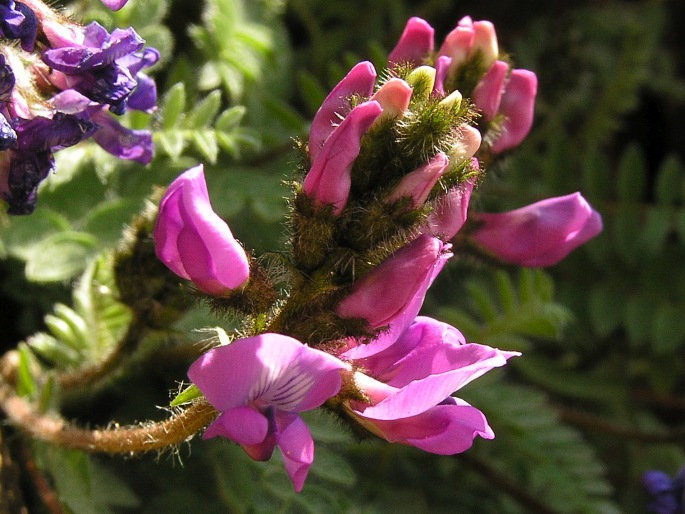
128, 440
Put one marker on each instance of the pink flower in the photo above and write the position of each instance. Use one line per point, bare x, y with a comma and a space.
517, 106
260, 384
358, 82
450, 211
392, 294
469, 39
417, 184
415, 43
329, 180
114, 5
409, 386
540, 234
194, 242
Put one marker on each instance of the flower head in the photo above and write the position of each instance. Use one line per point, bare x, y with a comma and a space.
260, 384
194, 242
540, 234
668, 493
409, 383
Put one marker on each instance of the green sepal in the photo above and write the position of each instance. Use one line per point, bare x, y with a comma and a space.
189, 394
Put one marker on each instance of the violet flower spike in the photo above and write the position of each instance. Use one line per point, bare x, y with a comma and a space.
540, 234
409, 386
260, 384
194, 242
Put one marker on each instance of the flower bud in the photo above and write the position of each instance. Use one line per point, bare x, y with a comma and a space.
517, 105
469, 39
540, 234
393, 97
450, 211
487, 94
359, 81
467, 144
398, 285
418, 183
415, 43
329, 180
194, 242
422, 80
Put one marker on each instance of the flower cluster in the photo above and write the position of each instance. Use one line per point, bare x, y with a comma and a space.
56, 90
388, 172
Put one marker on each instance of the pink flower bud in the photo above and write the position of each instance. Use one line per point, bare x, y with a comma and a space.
329, 180
442, 66
517, 105
394, 97
397, 287
487, 94
415, 43
418, 183
467, 144
468, 39
540, 234
359, 81
194, 242
450, 211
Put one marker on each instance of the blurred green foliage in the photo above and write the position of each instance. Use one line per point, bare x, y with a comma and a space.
597, 398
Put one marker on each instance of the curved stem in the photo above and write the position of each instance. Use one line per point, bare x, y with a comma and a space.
129, 440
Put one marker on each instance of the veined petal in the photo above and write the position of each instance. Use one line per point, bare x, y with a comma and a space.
468, 362
268, 369
297, 447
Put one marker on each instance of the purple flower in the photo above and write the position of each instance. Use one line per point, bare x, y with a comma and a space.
31, 157
260, 384
99, 65
668, 493
194, 242
329, 179
391, 295
409, 384
114, 5
358, 82
122, 142
18, 21
540, 234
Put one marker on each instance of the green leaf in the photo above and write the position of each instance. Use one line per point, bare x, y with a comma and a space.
173, 142
605, 310
173, 106
230, 118
206, 144
202, 115
26, 384
60, 256
333, 468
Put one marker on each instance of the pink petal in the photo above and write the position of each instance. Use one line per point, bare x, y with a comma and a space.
114, 5
487, 94
450, 211
416, 42
243, 425
442, 66
540, 234
443, 429
418, 183
358, 82
467, 363
329, 180
297, 447
518, 105
268, 369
